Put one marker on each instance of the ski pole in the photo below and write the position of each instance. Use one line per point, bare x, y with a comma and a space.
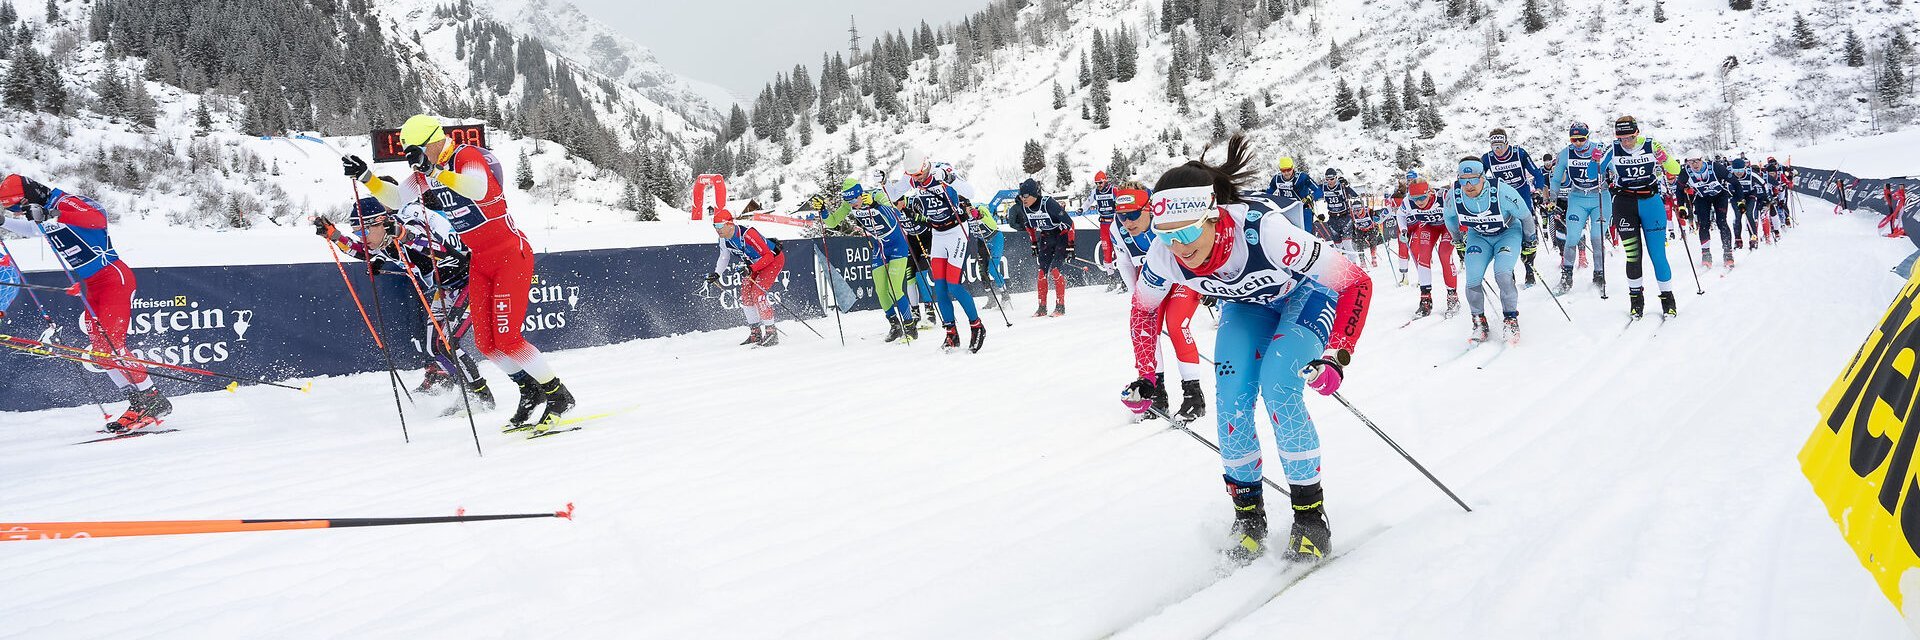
986, 277
746, 280
72, 291
48, 353
393, 376
47, 334
1551, 294
1182, 426
20, 531
445, 344
1697, 289
1396, 447
827, 256
130, 360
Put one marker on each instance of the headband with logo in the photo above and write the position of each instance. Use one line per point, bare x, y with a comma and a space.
1183, 204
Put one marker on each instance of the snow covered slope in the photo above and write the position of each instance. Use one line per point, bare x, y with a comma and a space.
1592, 62
1624, 485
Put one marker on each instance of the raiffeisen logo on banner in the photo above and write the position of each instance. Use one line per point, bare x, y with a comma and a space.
179, 330
548, 303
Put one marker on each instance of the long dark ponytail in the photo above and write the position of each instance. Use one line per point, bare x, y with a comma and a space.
1225, 178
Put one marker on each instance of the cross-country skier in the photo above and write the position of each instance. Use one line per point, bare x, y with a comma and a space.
1050, 235
761, 263
1133, 235
1576, 173
1100, 205
1496, 223
1293, 308
76, 228
935, 196
466, 184
1632, 168
1709, 205
438, 262
1513, 166
1424, 229
881, 224
1291, 185
1341, 200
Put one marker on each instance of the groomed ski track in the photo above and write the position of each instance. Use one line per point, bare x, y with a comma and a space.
1624, 485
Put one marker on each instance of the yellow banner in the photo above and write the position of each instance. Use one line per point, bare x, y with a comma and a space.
1861, 459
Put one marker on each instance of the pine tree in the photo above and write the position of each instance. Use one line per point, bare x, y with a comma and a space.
1740, 5
1430, 122
140, 105
53, 12
1059, 96
1369, 118
1119, 167
1427, 89
1659, 11
19, 88
1334, 57
1101, 97
1033, 157
1249, 114
1102, 57
1126, 59
1219, 130
1409, 96
1205, 72
1456, 8
1803, 36
736, 123
1856, 51
1062, 172
523, 175
1532, 19
1345, 107
202, 119
1892, 83
1086, 76
1390, 103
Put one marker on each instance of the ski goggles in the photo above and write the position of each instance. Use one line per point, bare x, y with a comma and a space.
1577, 138
1189, 205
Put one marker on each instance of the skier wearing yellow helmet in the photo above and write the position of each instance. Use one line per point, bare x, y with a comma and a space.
466, 184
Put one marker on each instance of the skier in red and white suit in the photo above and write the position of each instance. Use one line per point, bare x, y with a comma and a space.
464, 183
762, 263
1131, 235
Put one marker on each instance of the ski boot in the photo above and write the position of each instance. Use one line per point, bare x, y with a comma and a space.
1529, 281
1636, 303
1480, 331
1249, 532
953, 338
1729, 261
1426, 303
559, 401
1566, 280
144, 408
1311, 539
1040, 311
894, 332
1668, 306
435, 380
770, 337
1453, 302
1706, 260
976, 337
531, 397
479, 398
1059, 309
912, 332
993, 302
1513, 329
1600, 282
1193, 403
753, 337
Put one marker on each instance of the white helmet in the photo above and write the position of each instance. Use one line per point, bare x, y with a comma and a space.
914, 161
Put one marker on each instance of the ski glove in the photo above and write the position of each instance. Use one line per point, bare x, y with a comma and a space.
1325, 373
418, 161
38, 214
1144, 393
1035, 246
1527, 247
357, 169
324, 228
818, 203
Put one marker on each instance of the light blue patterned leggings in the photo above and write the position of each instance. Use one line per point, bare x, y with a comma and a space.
1258, 353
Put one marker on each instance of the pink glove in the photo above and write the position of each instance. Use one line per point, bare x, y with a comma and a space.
1325, 373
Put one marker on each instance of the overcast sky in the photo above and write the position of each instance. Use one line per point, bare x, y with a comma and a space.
740, 44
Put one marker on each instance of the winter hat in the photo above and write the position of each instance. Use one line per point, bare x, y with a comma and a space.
1286, 163
1739, 164
1100, 176
1578, 130
721, 217
1417, 189
1626, 125
421, 130
1129, 200
1030, 188
1498, 137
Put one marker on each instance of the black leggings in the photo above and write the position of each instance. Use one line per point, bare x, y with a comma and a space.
1743, 211
1711, 211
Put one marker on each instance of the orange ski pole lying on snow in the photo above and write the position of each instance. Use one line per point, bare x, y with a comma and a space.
109, 360
19, 531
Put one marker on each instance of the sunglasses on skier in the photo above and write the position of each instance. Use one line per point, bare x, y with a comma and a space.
1184, 234
1131, 216
1576, 139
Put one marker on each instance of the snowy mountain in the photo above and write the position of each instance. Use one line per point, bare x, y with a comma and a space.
1696, 73
137, 104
